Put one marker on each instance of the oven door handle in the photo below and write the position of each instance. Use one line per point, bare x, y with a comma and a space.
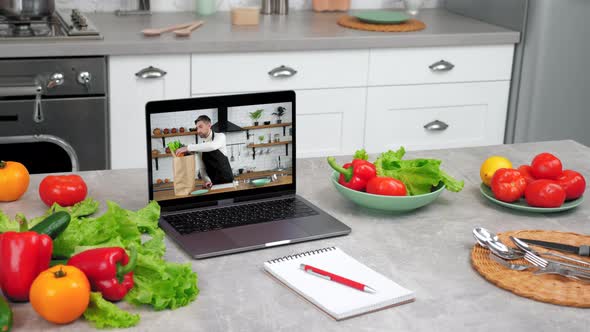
26, 90
46, 138
17, 91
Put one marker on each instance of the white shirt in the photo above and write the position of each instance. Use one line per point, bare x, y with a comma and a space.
209, 144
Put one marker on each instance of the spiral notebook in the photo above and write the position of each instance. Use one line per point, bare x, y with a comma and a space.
338, 300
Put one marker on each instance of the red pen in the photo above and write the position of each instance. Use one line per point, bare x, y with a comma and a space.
336, 278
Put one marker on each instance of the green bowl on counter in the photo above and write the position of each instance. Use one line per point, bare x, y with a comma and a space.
386, 203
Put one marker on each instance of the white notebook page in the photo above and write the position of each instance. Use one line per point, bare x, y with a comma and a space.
340, 301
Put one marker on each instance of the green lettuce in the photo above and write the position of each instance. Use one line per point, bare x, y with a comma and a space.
103, 314
419, 175
361, 154
158, 283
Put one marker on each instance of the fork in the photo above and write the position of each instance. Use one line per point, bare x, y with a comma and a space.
547, 267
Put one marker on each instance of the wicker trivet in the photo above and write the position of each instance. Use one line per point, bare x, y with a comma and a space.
407, 26
548, 288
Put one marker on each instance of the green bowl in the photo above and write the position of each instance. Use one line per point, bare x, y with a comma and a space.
260, 182
522, 205
386, 203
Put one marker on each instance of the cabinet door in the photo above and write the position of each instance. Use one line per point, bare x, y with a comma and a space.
330, 122
168, 79
436, 116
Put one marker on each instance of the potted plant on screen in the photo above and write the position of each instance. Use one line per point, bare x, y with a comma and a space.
256, 115
279, 113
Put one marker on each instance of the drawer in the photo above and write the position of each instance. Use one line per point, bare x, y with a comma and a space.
440, 65
246, 72
436, 116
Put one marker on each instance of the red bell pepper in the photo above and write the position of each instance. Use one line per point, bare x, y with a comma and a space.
354, 175
23, 256
109, 270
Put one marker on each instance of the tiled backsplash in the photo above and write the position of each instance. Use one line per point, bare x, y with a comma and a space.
189, 5
242, 156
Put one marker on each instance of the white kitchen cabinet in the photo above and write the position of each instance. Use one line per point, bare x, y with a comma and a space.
268, 71
428, 65
168, 79
330, 121
436, 116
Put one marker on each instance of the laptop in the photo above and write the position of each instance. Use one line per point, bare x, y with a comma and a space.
243, 196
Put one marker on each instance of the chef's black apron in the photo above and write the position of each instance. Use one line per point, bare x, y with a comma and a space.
217, 166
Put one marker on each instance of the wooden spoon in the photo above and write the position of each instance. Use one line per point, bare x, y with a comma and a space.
156, 32
188, 30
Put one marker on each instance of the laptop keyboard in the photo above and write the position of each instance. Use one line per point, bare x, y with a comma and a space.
239, 215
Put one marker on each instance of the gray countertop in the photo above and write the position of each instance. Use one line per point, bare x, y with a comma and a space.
427, 251
300, 30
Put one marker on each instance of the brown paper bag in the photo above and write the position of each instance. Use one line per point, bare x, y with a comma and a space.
183, 169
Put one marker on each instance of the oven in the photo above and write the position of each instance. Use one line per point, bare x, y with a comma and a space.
54, 114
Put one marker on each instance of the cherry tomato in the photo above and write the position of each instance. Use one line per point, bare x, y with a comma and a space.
573, 183
546, 166
381, 185
508, 185
544, 193
527, 172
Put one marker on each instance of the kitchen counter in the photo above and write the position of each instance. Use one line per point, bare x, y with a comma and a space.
300, 30
427, 251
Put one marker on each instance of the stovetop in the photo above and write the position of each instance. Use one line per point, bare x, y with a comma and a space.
61, 25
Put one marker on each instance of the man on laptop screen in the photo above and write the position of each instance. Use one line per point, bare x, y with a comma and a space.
212, 154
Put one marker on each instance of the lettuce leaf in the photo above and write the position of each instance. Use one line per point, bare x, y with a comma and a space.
161, 284
419, 175
103, 314
361, 154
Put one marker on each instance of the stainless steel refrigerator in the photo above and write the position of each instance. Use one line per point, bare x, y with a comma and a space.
550, 90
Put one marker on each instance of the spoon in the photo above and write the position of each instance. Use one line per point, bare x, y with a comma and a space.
188, 30
483, 236
503, 251
491, 241
511, 266
156, 32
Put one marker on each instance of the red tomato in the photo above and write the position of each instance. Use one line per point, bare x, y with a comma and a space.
544, 193
546, 166
573, 183
508, 185
65, 190
527, 172
381, 185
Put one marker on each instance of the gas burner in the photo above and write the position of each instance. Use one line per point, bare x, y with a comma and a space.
62, 25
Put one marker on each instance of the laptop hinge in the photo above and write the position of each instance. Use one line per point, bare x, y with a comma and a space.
223, 202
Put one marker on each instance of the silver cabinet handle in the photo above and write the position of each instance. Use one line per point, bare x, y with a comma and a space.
436, 126
282, 72
441, 66
150, 72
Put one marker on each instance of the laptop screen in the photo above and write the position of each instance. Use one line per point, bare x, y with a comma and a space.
220, 147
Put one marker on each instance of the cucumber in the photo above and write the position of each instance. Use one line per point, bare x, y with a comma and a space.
53, 225
5, 315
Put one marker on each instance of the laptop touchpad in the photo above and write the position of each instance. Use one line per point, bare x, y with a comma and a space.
259, 234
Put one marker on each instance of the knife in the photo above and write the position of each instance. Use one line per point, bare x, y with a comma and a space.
583, 250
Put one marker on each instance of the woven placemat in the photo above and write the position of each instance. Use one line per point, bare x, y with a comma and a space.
354, 23
548, 288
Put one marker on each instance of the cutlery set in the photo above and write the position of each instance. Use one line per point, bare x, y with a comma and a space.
502, 254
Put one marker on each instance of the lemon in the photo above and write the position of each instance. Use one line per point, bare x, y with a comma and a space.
490, 166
